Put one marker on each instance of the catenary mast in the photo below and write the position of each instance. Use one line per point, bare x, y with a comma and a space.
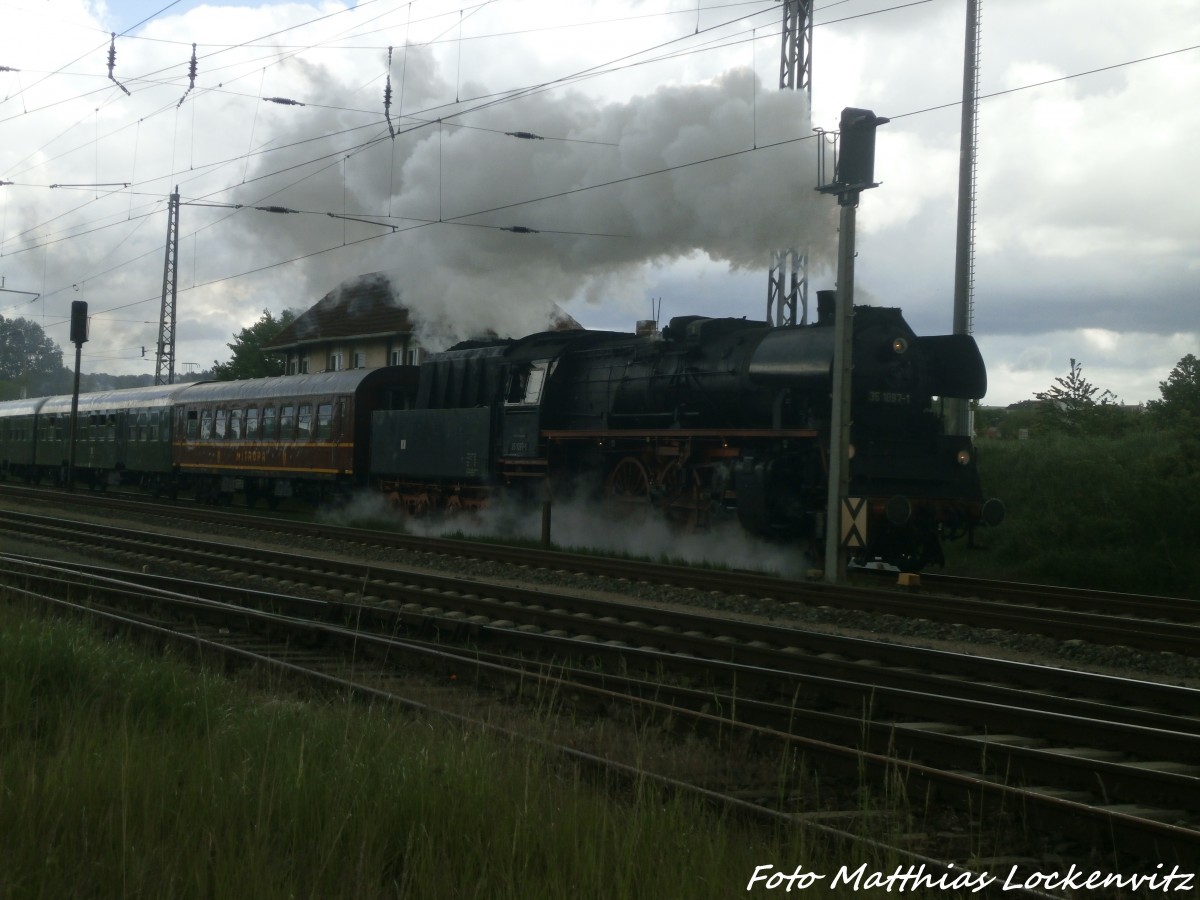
787, 281
164, 365
959, 411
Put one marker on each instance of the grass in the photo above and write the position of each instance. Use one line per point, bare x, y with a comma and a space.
126, 775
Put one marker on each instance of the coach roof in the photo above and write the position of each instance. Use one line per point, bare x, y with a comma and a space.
323, 384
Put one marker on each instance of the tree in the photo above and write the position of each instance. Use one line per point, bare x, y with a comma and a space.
1071, 406
31, 364
1179, 408
249, 360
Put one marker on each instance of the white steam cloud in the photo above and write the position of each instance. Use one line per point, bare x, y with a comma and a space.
581, 523
723, 169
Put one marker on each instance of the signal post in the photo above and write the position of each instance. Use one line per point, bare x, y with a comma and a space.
854, 172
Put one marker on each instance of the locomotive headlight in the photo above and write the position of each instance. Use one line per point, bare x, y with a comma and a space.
964, 457
899, 346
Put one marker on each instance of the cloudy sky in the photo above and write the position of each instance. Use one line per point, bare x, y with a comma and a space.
669, 165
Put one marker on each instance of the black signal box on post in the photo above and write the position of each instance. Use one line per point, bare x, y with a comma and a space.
79, 322
856, 157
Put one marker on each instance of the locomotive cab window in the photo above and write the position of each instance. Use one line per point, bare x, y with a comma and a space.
525, 383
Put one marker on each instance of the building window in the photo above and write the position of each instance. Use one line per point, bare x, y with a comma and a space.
304, 366
394, 358
335, 363
360, 360
291, 367
412, 357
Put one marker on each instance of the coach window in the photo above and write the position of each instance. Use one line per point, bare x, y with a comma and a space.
304, 422
235, 424
324, 421
270, 424
287, 422
141, 425
220, 421
205, 424
252, 423
193, 424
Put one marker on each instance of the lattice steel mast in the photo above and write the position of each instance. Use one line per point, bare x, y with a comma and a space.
787, 281
164, 370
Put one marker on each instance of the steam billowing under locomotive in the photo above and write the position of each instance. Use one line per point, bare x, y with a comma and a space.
711, 419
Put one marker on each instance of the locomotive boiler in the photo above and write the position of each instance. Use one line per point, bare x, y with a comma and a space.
709, 419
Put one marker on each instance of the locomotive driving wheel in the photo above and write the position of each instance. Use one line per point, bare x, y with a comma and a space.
627, 489
680, 497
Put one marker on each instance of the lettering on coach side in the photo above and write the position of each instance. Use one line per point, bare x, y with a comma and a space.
250, 455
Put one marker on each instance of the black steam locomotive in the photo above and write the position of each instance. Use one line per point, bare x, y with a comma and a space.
711, 418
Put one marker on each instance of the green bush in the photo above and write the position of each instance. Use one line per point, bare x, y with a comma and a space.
1114, 513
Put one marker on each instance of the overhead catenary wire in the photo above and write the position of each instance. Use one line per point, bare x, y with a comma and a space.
913, 113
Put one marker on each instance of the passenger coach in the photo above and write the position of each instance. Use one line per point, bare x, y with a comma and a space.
294, 435
123, 437
18, 437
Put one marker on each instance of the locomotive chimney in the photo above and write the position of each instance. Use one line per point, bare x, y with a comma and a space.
646, 328
826, 307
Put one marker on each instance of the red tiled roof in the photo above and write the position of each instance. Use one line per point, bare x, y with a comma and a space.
365, 305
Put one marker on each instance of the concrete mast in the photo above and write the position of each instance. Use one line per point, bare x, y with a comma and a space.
959, 411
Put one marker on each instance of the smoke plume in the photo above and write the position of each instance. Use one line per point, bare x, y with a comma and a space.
721, 169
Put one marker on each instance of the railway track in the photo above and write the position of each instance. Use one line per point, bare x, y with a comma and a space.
1111, 758
1158, 624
